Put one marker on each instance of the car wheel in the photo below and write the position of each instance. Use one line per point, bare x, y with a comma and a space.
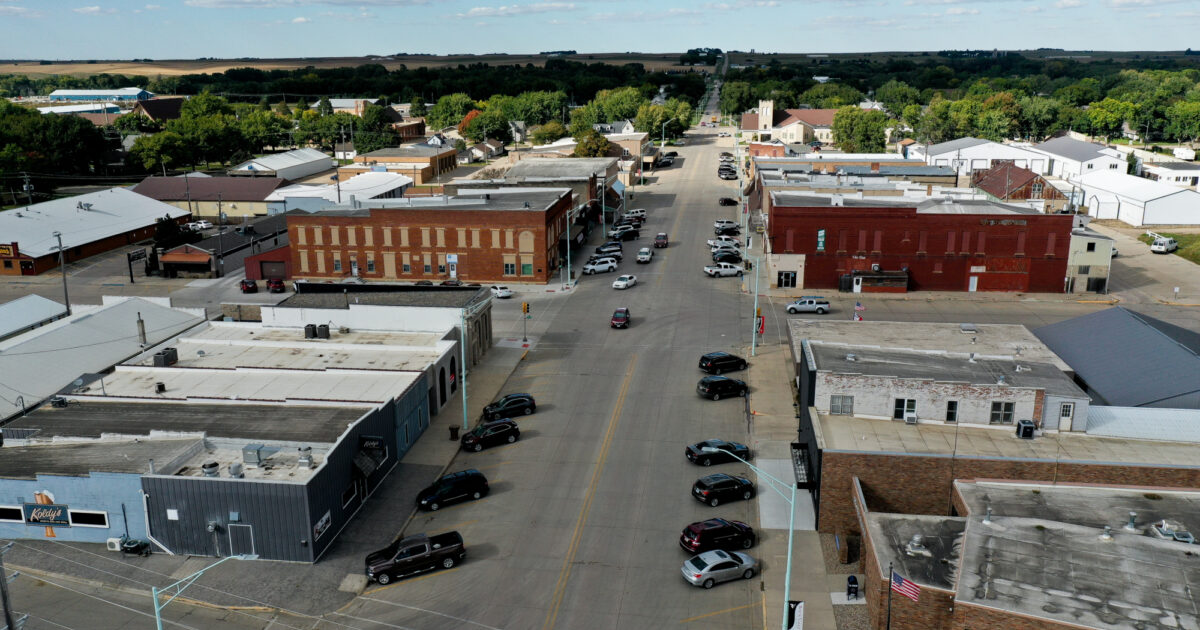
706, 462
528, 410
820, 311
716, 397
478, 447
739, 274
714, 502
742, 393
512, 438
384, 579
717, 371
791, 311
747, 543
447, 563
746, 495
748, 574
709, 583
477, 496
433, 507
742, 365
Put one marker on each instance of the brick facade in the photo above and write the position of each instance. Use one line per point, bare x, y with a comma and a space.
493, 246
13, 263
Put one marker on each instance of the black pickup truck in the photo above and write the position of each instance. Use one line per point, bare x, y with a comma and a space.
415, 554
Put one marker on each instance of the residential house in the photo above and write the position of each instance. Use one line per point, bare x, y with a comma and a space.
159, 110
347, 105
439, 140
619, 126
1111, 194
344, 151
1069, 158
487, 150
1181, 174
966, 155
518, 130
1008, 182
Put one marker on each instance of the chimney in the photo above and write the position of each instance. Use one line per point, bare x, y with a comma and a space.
874, 167
151, 467
141, 328
928, 190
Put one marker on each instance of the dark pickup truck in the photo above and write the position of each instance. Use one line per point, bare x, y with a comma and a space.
415, 554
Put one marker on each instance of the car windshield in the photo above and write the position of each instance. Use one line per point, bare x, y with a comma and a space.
619, 315
478, 432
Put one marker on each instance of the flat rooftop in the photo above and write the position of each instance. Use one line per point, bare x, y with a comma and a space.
796, 199
940, 535
93, 419
387, 295
534, 167
531, 199
942, 367
983, 339
239, 331
78, 459
866, 435
1043, 555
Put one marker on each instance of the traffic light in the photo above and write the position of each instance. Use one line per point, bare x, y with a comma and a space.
525, 307
758, 312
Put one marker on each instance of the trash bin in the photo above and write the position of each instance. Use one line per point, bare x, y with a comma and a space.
453, 432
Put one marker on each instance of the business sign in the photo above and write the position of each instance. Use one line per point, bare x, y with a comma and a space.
135, 255
820, 240
370, 442
322, 525
7, 251
452, 259
795, 620
46, 514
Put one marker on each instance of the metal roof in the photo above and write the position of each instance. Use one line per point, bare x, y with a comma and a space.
224, 188
1132, 187
1175, 166
955, 145
1072, 149
280, 161
112, 212
27, 311
37, 365
1140, 363
1145, 423
128, 91
497, 199
99, 108
362, 186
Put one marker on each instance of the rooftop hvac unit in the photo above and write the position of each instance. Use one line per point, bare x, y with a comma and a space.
910, 417
323, 331
1025, 429
160, 387
113, 544
252, 454
160, 359
310, 331
172, 355
58, 401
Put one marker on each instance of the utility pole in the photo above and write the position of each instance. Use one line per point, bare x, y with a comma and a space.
62, 268
187, 186
28, 188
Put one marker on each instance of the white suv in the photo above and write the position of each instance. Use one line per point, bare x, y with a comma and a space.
723, 223
603, 265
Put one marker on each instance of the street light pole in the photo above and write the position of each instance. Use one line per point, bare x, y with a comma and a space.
62, 268
772, 481
182, 585
754, 324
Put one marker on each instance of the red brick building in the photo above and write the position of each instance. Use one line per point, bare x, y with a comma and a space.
937, 245
507, 235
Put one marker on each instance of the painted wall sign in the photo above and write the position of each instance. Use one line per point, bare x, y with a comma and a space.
321, 525
46, 514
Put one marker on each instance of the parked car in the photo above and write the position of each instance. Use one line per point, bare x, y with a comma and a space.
502, 293
718, 362
510, 405
1115, 253
423, 283
723, 270
625, 281
621, 318
721, 223
727, 256
1164, 245
645, 255
716, 533
489, 435
719, 488
723, 134
415, 554
248, 286
636, 212
671, 154
453, 488
665, 161
718, 387
275, 285
196, 226
603, 265
809, 304
698, 453
713, 567
629, 235
713, 242
618, 230
661, 240
727, 201
728, 175
610, 246
725, 247
594, 258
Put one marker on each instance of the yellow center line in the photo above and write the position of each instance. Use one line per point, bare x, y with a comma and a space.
674, 230
560, 588
722, 612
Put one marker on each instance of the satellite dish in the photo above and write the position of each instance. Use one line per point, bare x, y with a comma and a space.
78, 382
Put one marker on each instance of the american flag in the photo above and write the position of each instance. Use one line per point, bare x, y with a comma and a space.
857, 317
905, 587
859, 307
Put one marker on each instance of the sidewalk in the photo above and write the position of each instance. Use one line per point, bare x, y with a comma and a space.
300, 589
773, 425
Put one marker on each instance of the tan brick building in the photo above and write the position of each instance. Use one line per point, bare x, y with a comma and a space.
423, 162
507, 236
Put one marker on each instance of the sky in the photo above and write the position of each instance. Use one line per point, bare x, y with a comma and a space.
187, 29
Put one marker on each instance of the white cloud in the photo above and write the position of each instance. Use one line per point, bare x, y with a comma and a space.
1068, 4
1138, 4
300, 20
961, 11
275, 4
93, 10
1032, 9
512, 10
18, 12
153, 7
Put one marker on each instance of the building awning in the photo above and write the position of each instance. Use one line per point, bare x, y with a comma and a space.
365, 463
618, 187
187, 255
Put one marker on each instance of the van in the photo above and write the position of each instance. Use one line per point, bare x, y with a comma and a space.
1164, 245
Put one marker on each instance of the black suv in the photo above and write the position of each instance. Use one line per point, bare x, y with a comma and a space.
717, 362
487, 435
453, 488
696, 454
716, 533
719, 488
729, 230
727, 201
726, 256
509, 406
718, 387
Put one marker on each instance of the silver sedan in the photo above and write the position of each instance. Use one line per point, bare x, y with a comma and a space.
713, 567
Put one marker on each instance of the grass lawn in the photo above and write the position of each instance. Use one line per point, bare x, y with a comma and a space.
1189, 245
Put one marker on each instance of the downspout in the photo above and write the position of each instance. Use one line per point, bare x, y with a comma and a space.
146, 513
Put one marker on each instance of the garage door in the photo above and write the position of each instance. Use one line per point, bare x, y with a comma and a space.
273, 270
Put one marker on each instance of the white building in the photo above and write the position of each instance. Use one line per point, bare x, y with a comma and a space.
1181, 174
974, 154
1089, 261
318, 197
291, 165
1111, 194
1069, 158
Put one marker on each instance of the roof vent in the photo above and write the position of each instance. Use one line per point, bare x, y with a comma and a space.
967, 329
235, 470
1107, 535
916, 547
987, 518
305, 460
851, 357
971, 358
1132, 524
211, 469
1021, 368
1000, 381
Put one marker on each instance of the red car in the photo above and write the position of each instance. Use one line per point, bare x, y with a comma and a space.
620, 318
660, 240
248, 286
275, 285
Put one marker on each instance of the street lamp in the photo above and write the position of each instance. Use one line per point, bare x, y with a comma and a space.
62, 268
182, 585
754, 322
791, 501
664, 130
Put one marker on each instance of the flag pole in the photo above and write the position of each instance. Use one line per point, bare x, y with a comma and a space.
889, 608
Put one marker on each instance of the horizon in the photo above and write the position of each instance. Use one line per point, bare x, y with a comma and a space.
186, 30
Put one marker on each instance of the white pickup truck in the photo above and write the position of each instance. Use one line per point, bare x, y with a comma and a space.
723, 269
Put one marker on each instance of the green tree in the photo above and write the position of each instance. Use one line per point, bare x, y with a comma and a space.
162, 151
549, 132
467, 120
1081, 92
282, 109
1038, 114
203, 105
831, 96
994, 124
582, 119
1183, 121
490, 124
592, 144
619, 104
262, 129
324, 107
736, 97
857, 130
1107, 116
417, 108
896, 96
449, 110
301, 107
264, 104
912, 116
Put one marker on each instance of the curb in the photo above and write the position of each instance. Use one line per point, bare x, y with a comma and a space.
133, 591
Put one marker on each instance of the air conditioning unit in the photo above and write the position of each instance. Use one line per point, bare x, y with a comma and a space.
910, 417
113, 544
1025, 429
